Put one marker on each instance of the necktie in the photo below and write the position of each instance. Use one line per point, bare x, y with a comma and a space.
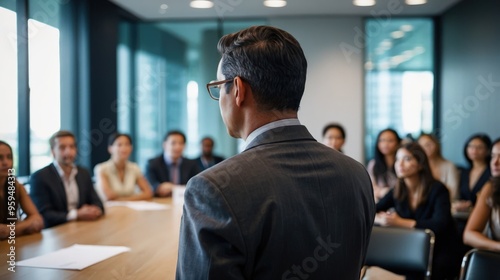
174, 173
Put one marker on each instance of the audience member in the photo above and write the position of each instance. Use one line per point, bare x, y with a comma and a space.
63, 191
381, 167
486, 213
170, 168
263, 213
473, 178
420, 201
334, 136
207, 158
118, 177
442, 169
13, 199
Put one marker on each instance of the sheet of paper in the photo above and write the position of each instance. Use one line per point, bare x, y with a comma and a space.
138, 205
76, 257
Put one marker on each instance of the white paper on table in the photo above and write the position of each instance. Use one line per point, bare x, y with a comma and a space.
76, 257
138, 205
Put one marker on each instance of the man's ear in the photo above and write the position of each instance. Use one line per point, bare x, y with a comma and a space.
240, 91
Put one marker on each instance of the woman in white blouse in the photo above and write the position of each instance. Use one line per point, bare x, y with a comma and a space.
117, 178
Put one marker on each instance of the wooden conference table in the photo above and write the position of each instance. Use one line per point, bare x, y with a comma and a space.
152, 236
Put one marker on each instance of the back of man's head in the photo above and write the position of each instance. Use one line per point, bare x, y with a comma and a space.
271, 61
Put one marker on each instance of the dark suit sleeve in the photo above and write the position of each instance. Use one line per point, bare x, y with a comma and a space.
439, 199
151, 176
45, 197
386, 202
211, 245
84, 181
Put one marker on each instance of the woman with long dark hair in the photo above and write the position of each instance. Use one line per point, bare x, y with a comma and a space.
13, 199
472, 179
420, 201
487, 210
381, 167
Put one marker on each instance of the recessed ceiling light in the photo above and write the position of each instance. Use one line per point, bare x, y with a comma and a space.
163, 6
201, 4
406, 28
415, 2
386, 44
275, 3
397, 34
363, 3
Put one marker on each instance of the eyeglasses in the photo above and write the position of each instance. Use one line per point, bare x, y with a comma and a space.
214, 88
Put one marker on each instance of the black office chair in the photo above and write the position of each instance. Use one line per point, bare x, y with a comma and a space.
401, 251
480, 265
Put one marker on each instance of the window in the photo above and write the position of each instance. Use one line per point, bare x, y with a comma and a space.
44, 83
8, 77
399, 78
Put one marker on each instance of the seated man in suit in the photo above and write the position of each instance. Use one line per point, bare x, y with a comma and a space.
170, 168
207, 158
62, 191
287, 207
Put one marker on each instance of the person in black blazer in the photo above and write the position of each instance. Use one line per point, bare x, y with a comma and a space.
170, 168
62, 191
420, 201
207, 158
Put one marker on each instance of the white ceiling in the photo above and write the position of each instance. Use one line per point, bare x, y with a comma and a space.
180, 9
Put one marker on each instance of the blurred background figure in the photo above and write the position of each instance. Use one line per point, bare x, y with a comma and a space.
381, 167
170, 168
486, 213
117, 178
421, 201
33, 222
207, 158
334, 136
472, 178
442, 169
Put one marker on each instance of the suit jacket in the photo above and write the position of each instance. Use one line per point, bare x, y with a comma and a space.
49, 195
202, 167
287, 207
158, 172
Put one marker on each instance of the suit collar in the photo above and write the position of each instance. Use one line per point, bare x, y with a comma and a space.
281, 134
269, 126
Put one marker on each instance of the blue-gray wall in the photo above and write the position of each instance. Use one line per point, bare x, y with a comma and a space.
470, 74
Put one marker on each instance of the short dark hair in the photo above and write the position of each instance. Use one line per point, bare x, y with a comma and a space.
271, 61
335, 126
207, 138
486, 141
112, 138
174, 132
59, 134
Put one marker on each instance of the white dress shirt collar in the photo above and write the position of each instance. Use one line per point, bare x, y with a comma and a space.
269, 126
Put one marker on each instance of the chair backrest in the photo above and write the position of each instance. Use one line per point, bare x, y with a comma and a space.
400, 250
481, 265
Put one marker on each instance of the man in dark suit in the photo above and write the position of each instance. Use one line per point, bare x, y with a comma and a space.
287, 207
62, 191
170, 168
207, 158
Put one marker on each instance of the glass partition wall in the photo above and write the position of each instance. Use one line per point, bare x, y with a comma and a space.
163, 68
399, 78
